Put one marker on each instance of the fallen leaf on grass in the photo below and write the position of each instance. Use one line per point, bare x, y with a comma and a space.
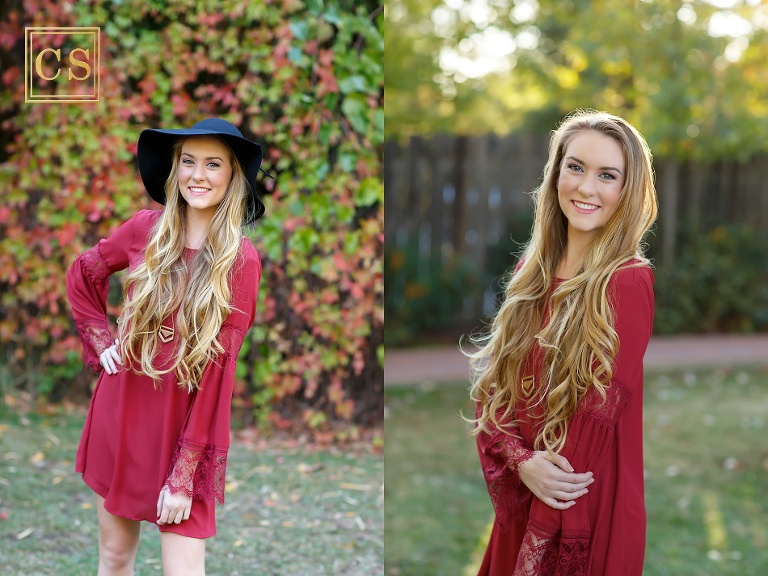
305, 468
56, 480
38, 458
238, 543
24, 533
360, 487
86, 505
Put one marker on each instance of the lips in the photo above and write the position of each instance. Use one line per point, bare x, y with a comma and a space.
584, 207
198, 190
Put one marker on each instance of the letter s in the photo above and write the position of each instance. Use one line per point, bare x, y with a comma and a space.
80, 64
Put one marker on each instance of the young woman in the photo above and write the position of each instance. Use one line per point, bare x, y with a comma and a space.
558, 378
155, 441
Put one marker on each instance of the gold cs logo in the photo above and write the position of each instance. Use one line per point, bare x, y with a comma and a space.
48, 51
72, 60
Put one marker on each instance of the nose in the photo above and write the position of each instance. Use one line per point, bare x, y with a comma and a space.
198, 175
588, 185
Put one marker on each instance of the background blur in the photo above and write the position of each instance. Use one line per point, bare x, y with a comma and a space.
474, 88
303, 79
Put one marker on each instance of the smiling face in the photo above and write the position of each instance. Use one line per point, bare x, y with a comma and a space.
589, 186
205, 171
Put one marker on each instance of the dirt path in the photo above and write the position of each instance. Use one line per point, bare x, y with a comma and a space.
444, 364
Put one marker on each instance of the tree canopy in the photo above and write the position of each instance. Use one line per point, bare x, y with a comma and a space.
689, 74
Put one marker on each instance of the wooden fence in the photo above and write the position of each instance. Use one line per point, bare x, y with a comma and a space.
454, 195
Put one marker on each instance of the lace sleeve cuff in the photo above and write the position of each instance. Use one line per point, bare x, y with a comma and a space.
95, 267
509, 495
96, 339
197, 471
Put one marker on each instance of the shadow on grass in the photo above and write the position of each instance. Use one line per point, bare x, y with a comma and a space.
288, 511
706, 460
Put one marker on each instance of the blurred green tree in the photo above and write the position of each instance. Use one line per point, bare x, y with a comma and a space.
688, 74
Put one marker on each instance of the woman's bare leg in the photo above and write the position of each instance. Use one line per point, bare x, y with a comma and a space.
182, 555
118, 542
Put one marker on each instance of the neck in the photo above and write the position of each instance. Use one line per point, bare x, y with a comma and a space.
575, 251
198, 223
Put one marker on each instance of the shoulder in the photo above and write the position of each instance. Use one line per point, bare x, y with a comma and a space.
631, 289
633, 274
249, 259
147, 218
143, 221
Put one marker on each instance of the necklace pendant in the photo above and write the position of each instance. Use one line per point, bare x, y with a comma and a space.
528, 384
165, 333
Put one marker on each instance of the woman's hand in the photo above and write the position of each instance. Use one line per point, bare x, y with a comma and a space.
552, 480
110, 358
172, 508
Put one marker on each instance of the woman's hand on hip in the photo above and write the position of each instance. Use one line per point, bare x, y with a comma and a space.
172, 508
552, 480
110, 358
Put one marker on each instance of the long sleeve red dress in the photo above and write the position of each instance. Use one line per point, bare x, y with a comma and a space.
140, 435
603, 534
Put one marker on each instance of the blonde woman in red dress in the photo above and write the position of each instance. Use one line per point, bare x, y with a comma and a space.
154, 445
558, 378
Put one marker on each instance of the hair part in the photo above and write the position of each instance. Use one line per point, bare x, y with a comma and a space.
578, 343
195, 289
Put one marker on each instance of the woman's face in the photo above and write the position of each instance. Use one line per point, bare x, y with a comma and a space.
204, 173
591, 178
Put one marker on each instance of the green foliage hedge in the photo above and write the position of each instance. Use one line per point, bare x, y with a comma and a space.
303, 78
719, 284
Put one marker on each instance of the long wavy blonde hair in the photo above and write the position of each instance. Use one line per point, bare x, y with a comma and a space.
198, 288
579, 342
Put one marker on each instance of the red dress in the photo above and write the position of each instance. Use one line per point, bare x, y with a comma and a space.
138, 435
603, 534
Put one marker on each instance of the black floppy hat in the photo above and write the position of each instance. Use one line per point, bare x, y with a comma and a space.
155, 160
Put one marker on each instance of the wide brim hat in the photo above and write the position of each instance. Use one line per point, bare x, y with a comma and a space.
155, 159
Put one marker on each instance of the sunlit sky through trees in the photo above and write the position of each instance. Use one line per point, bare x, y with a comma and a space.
491, 49
680, 68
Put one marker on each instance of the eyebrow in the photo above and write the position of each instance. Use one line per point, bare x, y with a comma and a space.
209, 157
584, 164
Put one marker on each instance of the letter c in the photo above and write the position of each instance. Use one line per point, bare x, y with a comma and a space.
39, 59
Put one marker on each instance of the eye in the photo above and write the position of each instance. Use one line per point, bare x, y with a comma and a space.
187, 161
607, 176
575, 168
214, 164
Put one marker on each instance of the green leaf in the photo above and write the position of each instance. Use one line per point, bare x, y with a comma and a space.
355, 109
370, 191
300, 30
355, 83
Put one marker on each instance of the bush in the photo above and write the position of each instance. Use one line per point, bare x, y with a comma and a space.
306, 80
719, 284
424, 297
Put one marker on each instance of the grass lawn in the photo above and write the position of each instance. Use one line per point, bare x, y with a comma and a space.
706, 459
288, 511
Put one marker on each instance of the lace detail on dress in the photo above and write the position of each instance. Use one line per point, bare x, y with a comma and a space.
510, 497
198, 471
95, 339
608, 411
231, 338
543, 554
94, 266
